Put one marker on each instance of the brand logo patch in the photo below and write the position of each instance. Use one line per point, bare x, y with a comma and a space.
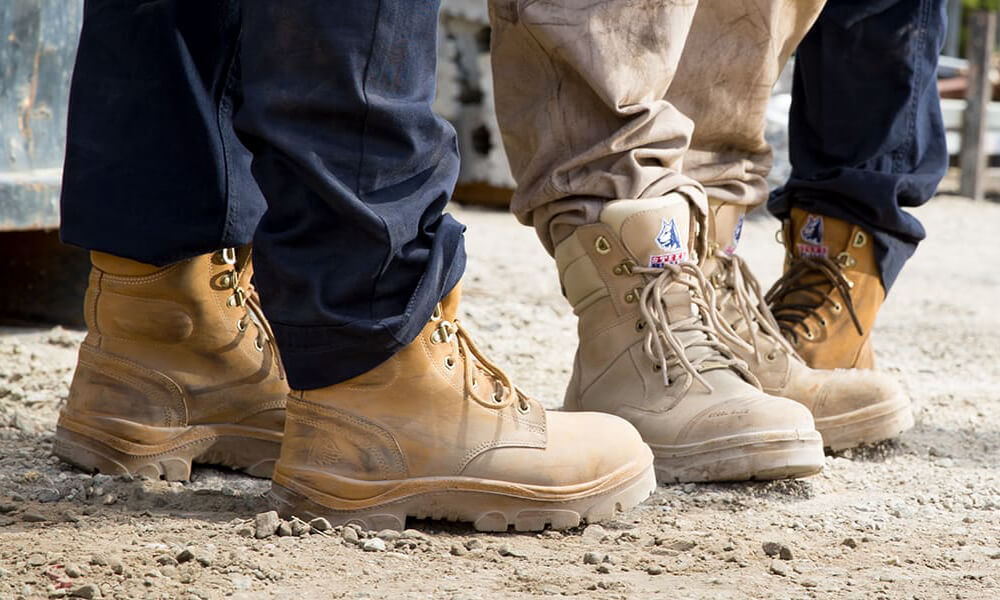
737, 232
668, 240
812, 238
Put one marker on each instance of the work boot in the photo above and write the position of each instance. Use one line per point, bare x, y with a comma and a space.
850, 407
438, 431
650, 352
178, 367
831, 290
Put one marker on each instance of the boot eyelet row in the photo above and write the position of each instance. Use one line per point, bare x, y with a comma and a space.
449, 363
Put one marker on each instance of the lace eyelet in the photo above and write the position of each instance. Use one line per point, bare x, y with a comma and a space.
226, 280
640, 325
860, 239
449, 363
837, 307
771, 356
809, 336
240, 325
436, 315
523, 407
475, 384
657, 367
494, 398
257, 345
822, 322
602, 245
630, 298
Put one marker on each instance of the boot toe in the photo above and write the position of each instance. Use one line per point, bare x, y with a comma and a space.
761, 414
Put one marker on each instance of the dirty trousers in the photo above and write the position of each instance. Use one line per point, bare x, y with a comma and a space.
600, 101
302, 125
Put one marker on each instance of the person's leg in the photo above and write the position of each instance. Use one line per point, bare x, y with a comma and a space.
153, 170
395, 412
595, 101
177, 366
866, 140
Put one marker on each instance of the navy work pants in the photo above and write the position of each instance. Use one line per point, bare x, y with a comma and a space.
866, 136
303, 126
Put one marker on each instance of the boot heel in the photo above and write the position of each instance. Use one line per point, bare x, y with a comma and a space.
93, 456
289, 504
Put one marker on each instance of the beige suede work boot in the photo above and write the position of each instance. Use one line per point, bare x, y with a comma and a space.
650, 352
439, 432
850, 407
827, 300
178, 367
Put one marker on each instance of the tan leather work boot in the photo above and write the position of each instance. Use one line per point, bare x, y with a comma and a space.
827, 300
178, 366
649, 351
439, 432
850, 407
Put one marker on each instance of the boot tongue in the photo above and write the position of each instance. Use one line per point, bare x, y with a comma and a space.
815, 235
449, 304
728, 226
655, 231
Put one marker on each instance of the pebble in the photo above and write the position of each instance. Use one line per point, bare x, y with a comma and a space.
511, 552
473, 544
849, 542
594, 533
245, 531
184, 556
779, 567
37, 560
73, 570
603, 569
373, 545
655, 570
266, 524
284, 529
458, 550
33, 517
388, 535
350, 535
413, 534
116, 564
86, 591
300, 528
592, 558
7, 507
777, 549
320, 524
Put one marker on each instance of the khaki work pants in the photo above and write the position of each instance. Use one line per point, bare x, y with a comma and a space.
602, 100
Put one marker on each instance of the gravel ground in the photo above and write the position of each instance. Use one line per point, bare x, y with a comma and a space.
916, 518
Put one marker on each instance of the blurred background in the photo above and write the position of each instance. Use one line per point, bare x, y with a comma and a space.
37, 49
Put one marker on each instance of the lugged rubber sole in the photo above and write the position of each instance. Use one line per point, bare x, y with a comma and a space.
486, 510
758, 456
253, 451
876, 423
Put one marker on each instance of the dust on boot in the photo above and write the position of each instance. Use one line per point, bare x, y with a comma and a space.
850, 407
178, 367
829, 295
650, 350
438, 431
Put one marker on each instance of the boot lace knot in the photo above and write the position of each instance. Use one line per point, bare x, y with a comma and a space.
244, 295
668, 342
809, 284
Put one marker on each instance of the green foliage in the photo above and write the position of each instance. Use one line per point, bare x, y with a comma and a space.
981, 4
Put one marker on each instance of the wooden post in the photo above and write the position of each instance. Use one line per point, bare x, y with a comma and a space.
979, 50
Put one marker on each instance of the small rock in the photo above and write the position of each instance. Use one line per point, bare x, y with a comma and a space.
245, 531
33, 517
809, 583
109, 499
603, 569
373, 545
320, 524
473, 544
184, 556
778, 567
116, 564
388, 535
37, 560
86, 591
166, 560
266, 524
73, 570
413, 534
777, 549
511, 552
284, 529
592, 558
7, 507
655, 570
849, 542
681, 545
301, 528
98, 560
458, 550
594, 533
350, 535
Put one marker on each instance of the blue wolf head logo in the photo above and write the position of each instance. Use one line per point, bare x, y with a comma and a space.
668, 238
812, 231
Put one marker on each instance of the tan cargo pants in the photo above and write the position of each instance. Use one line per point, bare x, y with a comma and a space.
602, 100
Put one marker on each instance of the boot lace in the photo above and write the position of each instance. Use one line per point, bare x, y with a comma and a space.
740, 289
247, 298
808, 285
669, 343
475, 364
